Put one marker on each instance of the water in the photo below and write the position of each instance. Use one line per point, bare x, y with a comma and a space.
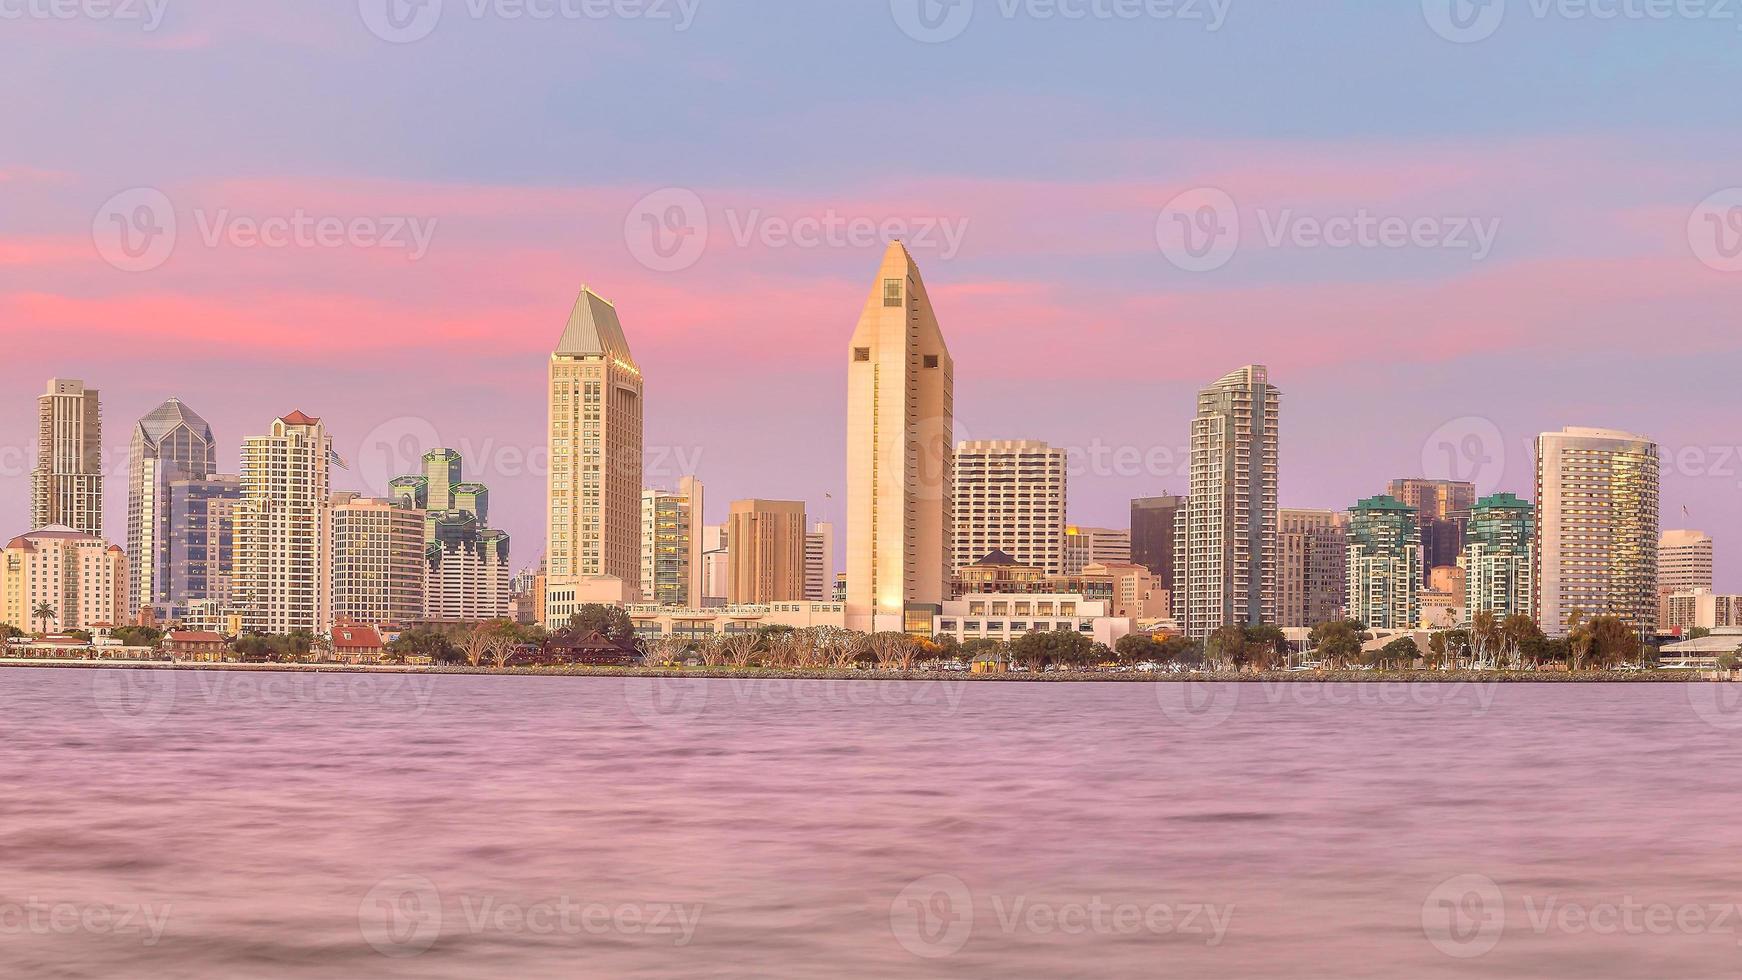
230, 825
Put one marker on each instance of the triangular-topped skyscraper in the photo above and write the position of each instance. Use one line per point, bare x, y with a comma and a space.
900, 453
593, 530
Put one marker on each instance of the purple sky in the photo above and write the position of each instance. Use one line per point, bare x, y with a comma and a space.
1547, 238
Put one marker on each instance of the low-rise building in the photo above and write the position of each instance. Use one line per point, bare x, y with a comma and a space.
355, 644
652, 620
1008, 616
56, 579
1691, 609
197, 646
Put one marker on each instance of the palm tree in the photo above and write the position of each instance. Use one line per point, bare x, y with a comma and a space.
42, 614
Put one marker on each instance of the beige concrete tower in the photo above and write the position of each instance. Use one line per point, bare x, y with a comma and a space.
66, 487
283, 566
1597, 528
900, 452
593, 537
765, 543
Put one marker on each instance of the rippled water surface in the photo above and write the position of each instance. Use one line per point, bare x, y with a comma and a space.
223, 825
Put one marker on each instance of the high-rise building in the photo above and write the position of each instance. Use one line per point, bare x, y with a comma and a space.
169, 444
1442, 600
716, 565
1152, 520
1010, 497
77, 579
1312, 566
1597, 528
1225, 543
1085, 546
819, 562
283, 565
593, 547
766, 542
900, 455
1442, 512
1498, 557
378, 561
1384, 558
1684, 561
66, 487
202, 545
466, 574
671, 545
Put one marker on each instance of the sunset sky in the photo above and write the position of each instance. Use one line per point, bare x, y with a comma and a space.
533, 153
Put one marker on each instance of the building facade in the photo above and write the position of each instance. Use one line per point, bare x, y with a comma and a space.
671, 545
977, 616
282, 574
819, 562
1152, 521
1690, 609
1312, 567
1384, 563
1442, 510
66, 486
900, 455
655, 621
202, 544
378, 561
57, 578
1010, 497
1597, 528
1085, 546
1499, 557
593, 546
766, 549
466, 575
1684, 564
169, 444
1226, 535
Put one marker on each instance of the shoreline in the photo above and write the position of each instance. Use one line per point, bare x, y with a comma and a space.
1071, 677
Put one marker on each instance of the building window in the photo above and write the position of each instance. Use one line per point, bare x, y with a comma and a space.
931, 360
892, 292
861, 353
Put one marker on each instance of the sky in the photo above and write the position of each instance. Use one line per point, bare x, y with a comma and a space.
1444, 225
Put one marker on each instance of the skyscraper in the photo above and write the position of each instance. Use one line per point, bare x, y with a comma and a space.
1384, 555
1152, 520
1085, 546
671, 545
1312, 561
1497, 559
1442, 512
900, 454
282, 580
202, 543
1225, 547
1597, 528
1010, 497
466, 575
378, 561
819, 562
169, 444
766, 544
66, 487
1684, 561
594, 523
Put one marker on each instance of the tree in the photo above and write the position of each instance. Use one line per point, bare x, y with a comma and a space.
1227, 645
1137, 648
137, 636
502, 639
1613, 642
1484, 637
1699, 633
475, 644
1521, 640
1729, 661
894, 651
1181, 650
611, 622
42, 612
9, 631
1266, 646
1036, 649
1400, 652
425, 642
1337, 643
